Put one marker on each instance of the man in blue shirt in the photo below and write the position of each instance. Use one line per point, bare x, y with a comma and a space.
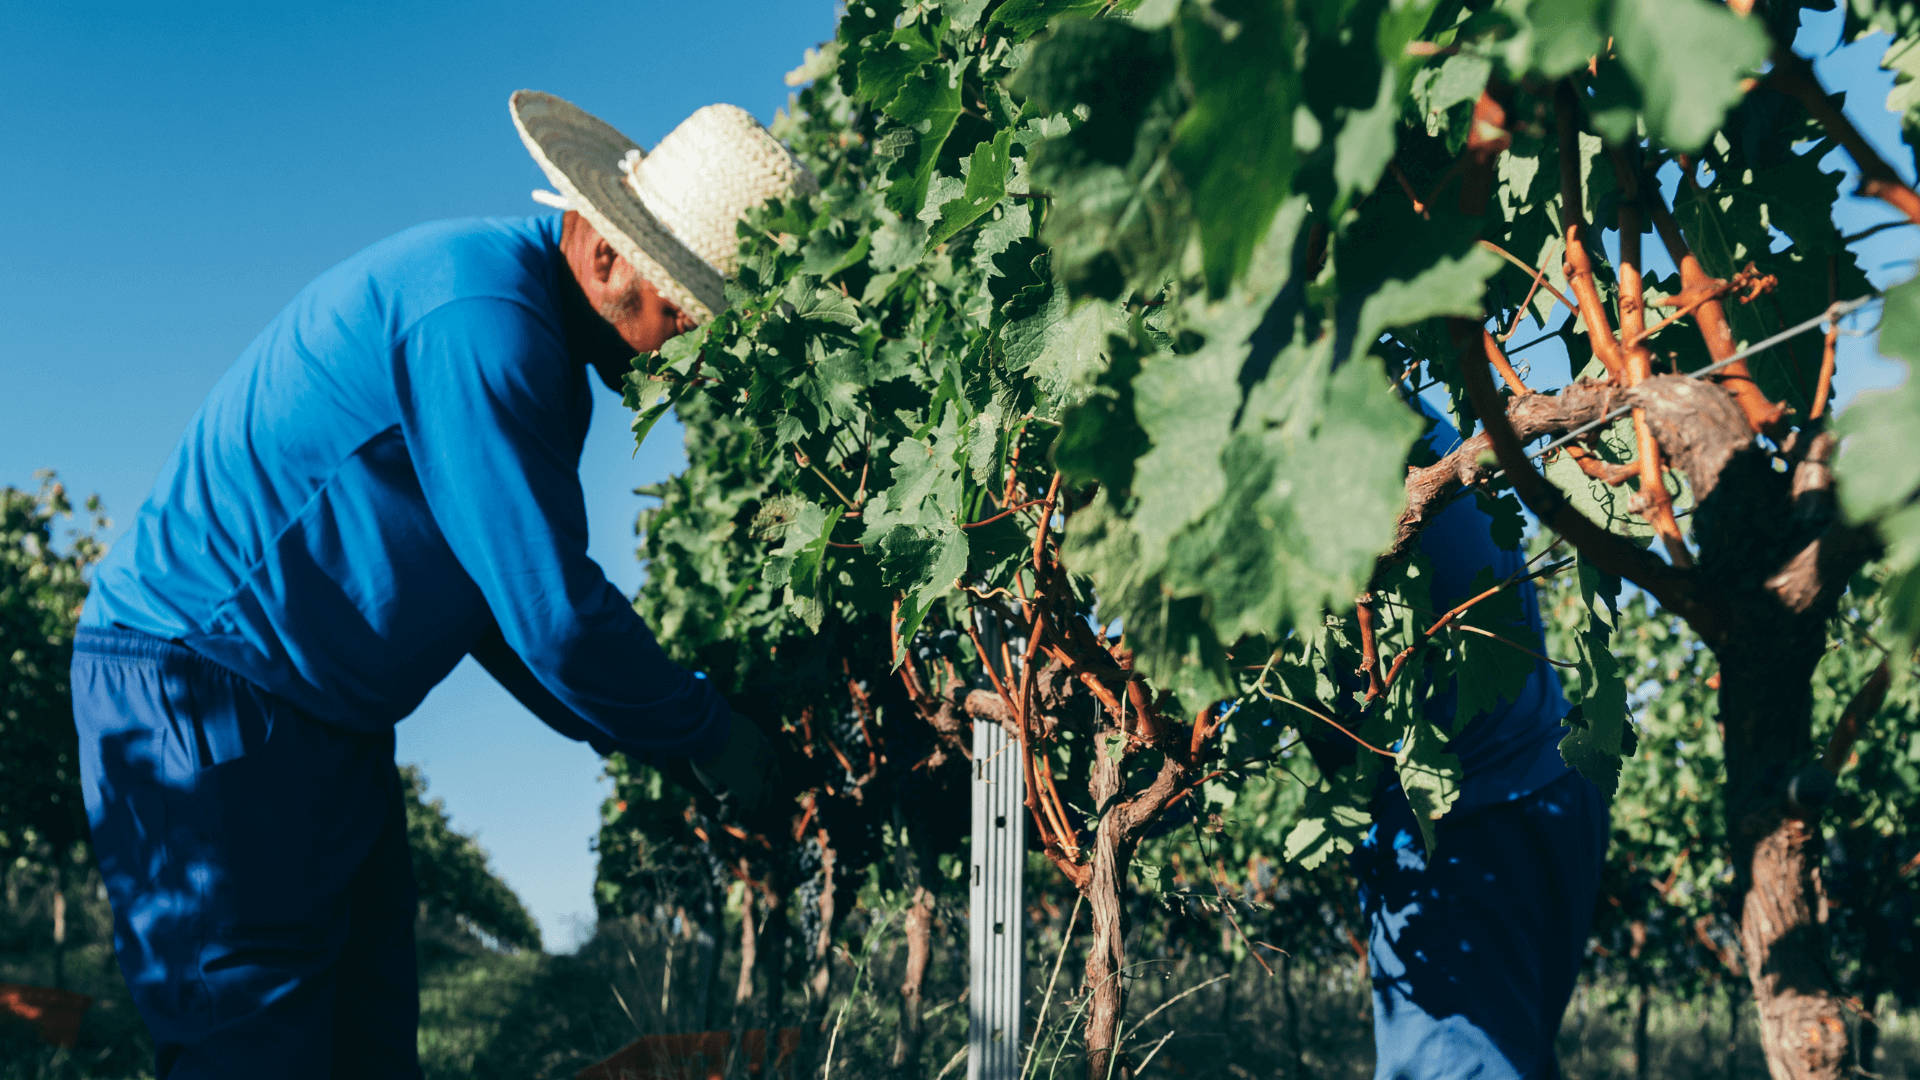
385, 483
1474, 953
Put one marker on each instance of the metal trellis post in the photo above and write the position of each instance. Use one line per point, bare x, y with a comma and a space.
995, 910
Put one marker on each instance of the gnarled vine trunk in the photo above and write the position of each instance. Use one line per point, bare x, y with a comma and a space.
743, 989
1773, 560
814, 1035
1767, 713
1106, 953
912, 1031
1755, 525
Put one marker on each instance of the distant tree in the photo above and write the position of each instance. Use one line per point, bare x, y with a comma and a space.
455, 882
41, 590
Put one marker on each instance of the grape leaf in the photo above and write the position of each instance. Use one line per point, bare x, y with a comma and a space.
1335, 818
1430, 775
1688, 57
1878, 468
886, 66
1025, 18
1564, 35
928, 104
1599, 734
925, 563
986, 185
796, 565
1491, 670
1100, 438
1235, 147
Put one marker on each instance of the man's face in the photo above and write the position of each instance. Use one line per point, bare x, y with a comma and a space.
644, 319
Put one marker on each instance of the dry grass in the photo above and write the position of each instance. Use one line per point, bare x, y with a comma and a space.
486, 1014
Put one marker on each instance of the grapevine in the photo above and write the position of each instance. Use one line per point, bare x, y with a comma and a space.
1069, 404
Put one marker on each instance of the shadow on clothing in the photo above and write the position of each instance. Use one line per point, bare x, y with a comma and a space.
1474, 951
257, 864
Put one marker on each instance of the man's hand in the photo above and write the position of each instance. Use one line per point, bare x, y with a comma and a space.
744, 777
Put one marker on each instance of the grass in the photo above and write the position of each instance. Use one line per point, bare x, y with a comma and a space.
528, 1016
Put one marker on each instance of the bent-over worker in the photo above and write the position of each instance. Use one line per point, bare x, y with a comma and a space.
386, 482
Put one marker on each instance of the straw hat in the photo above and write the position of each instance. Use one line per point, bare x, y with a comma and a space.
671, 214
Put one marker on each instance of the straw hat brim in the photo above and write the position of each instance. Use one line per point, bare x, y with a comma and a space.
581, 154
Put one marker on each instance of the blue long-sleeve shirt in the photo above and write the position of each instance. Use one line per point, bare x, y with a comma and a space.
1512, 750
388, 480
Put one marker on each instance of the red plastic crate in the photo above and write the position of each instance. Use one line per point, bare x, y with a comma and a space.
55, 1013
692, 1056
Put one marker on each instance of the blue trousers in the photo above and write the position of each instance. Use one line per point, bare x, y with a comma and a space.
1474, 952
257, 863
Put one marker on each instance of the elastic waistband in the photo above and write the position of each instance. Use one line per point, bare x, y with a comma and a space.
133, 645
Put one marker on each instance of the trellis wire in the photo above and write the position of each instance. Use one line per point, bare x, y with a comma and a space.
1832, 313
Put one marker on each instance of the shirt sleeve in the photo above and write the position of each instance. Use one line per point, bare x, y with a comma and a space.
500, 661
486, 391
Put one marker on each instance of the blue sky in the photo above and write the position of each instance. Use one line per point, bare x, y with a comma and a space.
180, 171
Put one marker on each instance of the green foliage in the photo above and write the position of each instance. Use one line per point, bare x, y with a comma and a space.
1151, 283
1667, 868
1901, 21
41, 590
450, 869
1152, 247
1879, 470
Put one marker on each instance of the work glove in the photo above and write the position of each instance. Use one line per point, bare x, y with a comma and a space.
743, 778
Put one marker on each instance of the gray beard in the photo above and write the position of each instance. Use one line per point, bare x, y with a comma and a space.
622, 307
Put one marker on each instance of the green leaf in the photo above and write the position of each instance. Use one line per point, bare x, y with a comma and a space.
928, 104
1565, 34
1420, 283
1599, 734
1491, 670
924, 564
804, 577
926, 484
1509, 521
861, 23
1100, 439
821, 303
1076, 353
1458, 80
1335, 818
1613, 107
1118, 219
826, 255
885, 66
1879, 469
796, 565
1314, 482
965, 14
1148, 14
644, 421
1688, 57
1153, 877
1366, 140
1186, 405
899, 242
1431, 777
1903, 59
986, 185
1235, 147
1025, 18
